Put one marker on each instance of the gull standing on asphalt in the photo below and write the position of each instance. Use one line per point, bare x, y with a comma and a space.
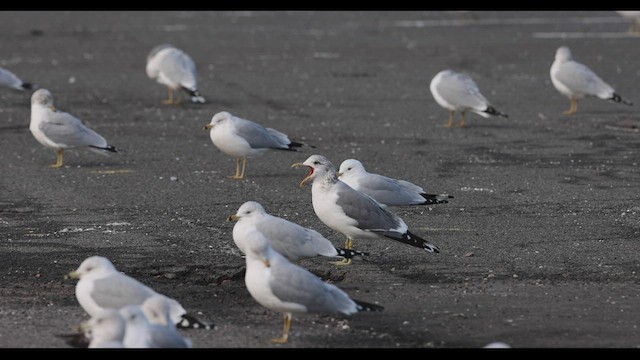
458, 92
244, 139
101, 286
577, 81
352, 213
282, 286
10, 80
385, 190
293, 241
60, 130
176, 70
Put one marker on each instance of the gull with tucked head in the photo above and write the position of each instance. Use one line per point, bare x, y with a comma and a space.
352, 213
12, 81
385, 190
174, 69
459, 92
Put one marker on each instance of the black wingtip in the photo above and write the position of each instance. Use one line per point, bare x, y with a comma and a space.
435, 198
492, 111
195, 95
365, 306
77, 340
417, 241
109, 148
350, 254
190, 322
617, 98
27, 86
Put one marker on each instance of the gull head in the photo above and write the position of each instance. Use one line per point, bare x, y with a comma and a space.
563, 54
133, 315
107, 324
218, 119
247, 210
349, 167
157, 49
42, 97
319, 168
257, 247
92, 266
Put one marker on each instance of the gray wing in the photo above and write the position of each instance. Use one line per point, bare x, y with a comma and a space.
9, 79
63, 128
294, 241
163, 337
178, 66
118, 290
389, 191
257, 135
295, 284
461, 90
365, 210
581, 79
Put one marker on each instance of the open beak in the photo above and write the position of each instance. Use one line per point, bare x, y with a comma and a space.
308, 178
207, 127
233, 217
72, 275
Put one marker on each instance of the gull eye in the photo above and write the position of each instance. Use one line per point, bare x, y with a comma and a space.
316, 162
90, 268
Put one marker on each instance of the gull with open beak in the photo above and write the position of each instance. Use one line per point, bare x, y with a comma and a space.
352, 213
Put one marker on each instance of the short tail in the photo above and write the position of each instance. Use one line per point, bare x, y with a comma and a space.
492, 111
349, 254
294, 145
195, 96
365, 306
617, 98
436, 198
108, 149
190, 322
28, 86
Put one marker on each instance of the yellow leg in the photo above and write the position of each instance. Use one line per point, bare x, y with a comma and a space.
574, 107
461, 124
450, 123
169, 101
237, 175
285, 333
59, 160
349, 246
244, 166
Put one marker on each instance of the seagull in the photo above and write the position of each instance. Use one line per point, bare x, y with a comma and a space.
60, 130
293, 241
352, 213
106, 329
577, 81
175, 69
385, 190
458, 92
140, 333
244, 139
634, 17
101, 286
282, 286
10, 80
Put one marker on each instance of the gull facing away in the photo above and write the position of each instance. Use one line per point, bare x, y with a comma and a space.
141, 333
385, 190
10, 80
60, 130
459, 92
244, 139
101, 286
176, 70
282, 286
352, 213
634, 17
293, 241
577, 81
106, 329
